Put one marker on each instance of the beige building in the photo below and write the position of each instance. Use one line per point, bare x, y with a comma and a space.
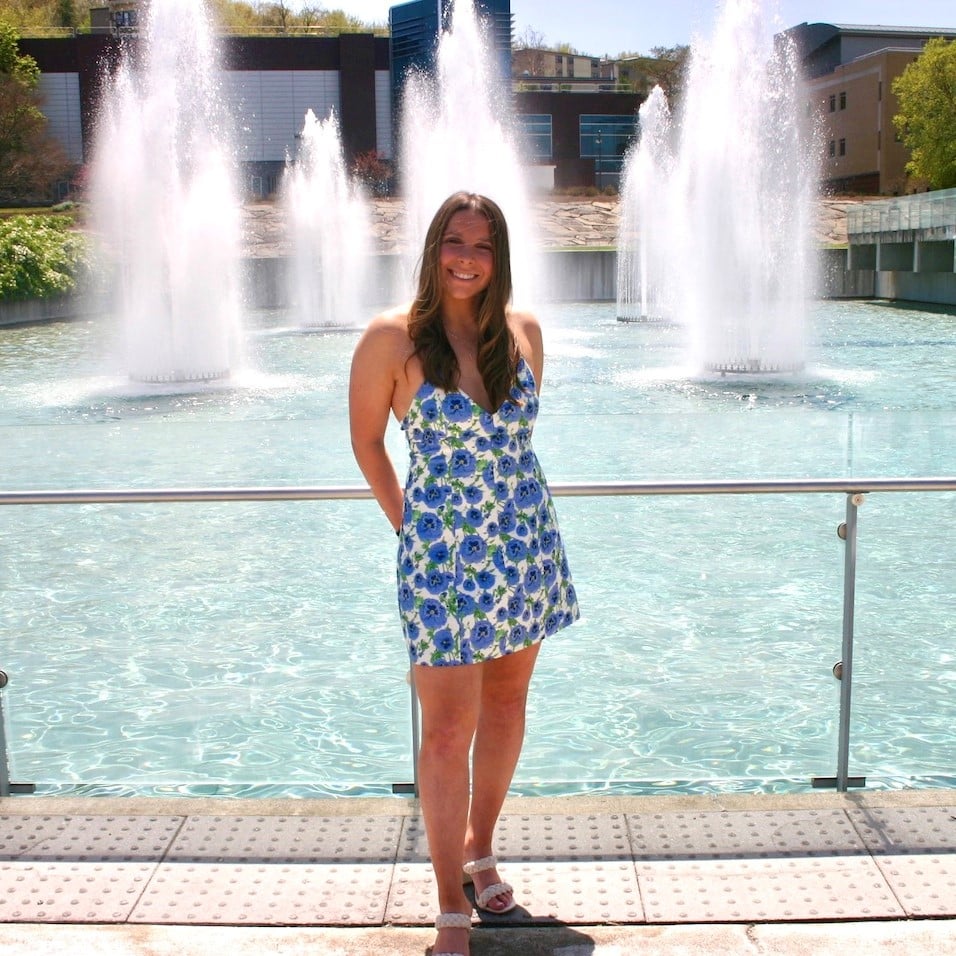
850, 71
554, 70
855, 104
116, 16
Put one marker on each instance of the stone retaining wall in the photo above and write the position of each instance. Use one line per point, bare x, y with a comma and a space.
561, 223
587, 225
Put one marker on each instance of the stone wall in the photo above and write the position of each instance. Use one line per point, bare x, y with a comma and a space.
562, 223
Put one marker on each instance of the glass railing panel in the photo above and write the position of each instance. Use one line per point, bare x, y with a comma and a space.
904, 660
232, 645
922, 210
250, 646
703, 659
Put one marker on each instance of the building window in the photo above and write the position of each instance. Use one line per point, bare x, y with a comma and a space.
833, 102
832, 148
843, 100
536, 135
843, 147
605, 138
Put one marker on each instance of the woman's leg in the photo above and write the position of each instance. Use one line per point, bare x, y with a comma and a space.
498, 740
450, 700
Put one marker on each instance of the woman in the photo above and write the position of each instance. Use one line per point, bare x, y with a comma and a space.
482, 576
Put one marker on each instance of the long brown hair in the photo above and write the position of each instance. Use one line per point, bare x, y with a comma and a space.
497, 350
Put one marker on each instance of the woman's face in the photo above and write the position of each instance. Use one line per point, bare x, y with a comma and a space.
467, 258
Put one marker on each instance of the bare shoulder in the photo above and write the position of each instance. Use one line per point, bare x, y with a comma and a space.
392, 323
524, 323
386, 335
527, 332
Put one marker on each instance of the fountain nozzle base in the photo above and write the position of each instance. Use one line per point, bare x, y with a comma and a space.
754, 367
179, 377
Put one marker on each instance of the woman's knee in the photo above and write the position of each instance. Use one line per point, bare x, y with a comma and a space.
447, 740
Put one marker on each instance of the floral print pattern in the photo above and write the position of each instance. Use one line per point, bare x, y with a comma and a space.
481, 566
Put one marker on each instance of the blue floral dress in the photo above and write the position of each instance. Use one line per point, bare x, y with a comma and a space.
481, 567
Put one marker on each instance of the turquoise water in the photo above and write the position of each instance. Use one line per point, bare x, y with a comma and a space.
250, 648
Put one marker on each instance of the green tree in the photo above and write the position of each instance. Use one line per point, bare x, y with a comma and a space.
20, 69
233, 15
67, 14
30, 161
671, 65
926, 120
337, 21
277, 15
27, 16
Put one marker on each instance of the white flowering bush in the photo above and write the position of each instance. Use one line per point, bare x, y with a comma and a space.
40, 256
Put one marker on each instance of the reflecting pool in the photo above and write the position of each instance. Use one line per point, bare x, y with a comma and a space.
255, 648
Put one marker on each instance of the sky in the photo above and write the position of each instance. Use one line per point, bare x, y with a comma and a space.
599, 27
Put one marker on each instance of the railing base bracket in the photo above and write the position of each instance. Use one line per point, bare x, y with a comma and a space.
16, 788
830, 783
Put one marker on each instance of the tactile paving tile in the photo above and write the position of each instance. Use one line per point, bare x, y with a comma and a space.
564, 868
102, 838
288, 839
275, 870
81, 869
915, 849
70, 892
20, 832
748, 866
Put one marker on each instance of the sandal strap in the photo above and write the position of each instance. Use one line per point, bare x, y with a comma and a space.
479, 866
453, 921
490, 892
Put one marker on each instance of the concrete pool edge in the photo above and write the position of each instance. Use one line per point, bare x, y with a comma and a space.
406, 806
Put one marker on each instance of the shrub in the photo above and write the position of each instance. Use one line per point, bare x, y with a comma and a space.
40, 257
374, 170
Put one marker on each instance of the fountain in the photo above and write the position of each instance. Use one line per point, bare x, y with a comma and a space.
165, 204
642, 248
453, 137
328, 224
738, 269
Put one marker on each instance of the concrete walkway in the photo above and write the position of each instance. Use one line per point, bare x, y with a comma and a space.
817, 872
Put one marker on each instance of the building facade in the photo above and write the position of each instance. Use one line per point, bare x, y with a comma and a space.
850, 72
416, 28
268, 84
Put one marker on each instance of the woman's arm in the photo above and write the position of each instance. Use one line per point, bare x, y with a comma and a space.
371, 388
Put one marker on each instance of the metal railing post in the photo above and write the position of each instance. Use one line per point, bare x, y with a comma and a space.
853, 502
416, 735
4, 764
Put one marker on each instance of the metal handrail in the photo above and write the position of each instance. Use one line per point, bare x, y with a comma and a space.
855, 490
566, 489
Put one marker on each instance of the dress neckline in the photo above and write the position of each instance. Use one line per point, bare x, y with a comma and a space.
522, 365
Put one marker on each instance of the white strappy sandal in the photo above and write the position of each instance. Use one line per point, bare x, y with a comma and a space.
489, 892
451, 921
